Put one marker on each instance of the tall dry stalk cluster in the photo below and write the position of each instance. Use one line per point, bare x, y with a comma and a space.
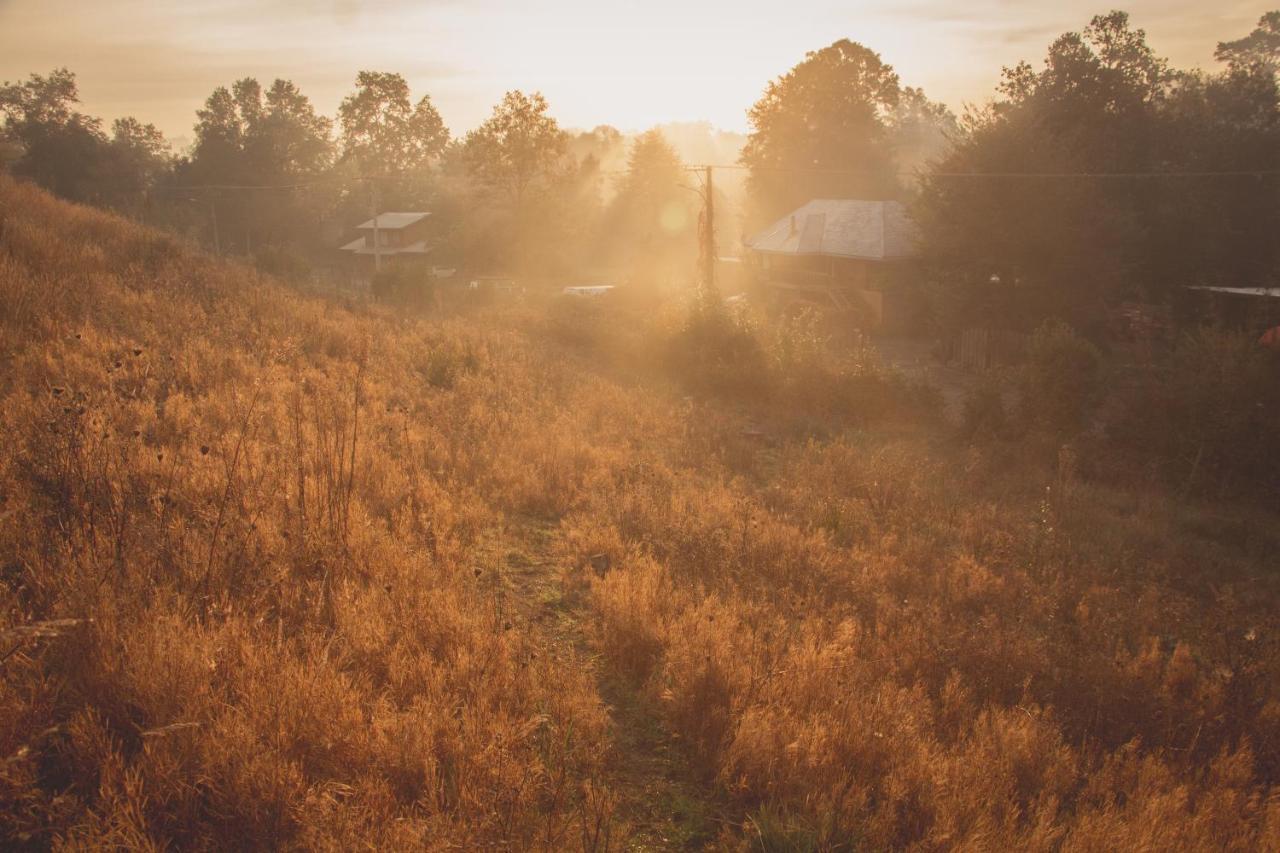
864, 646
258, 515
249, 595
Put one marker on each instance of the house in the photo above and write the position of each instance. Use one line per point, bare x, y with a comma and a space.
847, 254
1251, 309
388, 238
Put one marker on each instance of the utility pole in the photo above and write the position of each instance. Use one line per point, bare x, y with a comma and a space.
377, 245
213, 213
709, 238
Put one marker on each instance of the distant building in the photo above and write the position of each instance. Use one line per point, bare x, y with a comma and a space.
1251, 309
842, 253
394, 238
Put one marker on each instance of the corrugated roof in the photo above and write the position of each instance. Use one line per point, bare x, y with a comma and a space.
846, 228
1266, 292
394, 221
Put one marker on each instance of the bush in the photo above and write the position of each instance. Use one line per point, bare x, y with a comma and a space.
1205, 414
281, 263
403, 285
717, 350
577, 320
1061, 382
983, 415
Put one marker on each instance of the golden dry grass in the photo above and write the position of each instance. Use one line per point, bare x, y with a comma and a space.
268, 522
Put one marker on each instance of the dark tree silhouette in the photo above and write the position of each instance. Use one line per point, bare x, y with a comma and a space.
830, 112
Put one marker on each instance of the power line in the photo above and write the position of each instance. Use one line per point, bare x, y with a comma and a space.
291, 186
702, 167
314, 182
1241, 173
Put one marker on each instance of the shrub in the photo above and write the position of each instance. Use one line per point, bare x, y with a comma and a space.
1061, 381
282, 263
717, 350
983, 415
578, 321
1206, 413
405, 285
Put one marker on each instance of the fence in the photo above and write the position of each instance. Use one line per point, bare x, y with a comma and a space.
980, 349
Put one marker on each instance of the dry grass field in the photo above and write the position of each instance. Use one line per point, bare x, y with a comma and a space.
282, 572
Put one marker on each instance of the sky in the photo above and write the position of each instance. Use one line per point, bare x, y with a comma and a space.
620, 62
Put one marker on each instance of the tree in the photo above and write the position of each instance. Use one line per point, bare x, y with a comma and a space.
243, 136
651, 220
285, 138
247, 137
58, 147
603, 144
383, 132
920, 130
1262, 46
217, 154
538, 204
138, 157
519, 148
830, 113
1055, 190
67, 152
1218, 229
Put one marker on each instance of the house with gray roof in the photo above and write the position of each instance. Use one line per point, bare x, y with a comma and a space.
389, 238
848, 254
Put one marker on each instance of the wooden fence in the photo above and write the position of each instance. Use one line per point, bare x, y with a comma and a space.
980, 349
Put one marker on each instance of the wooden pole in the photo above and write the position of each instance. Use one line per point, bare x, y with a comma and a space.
377, 247
709, 272
213, 213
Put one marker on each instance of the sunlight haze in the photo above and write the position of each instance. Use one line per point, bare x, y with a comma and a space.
631, 65
639, 426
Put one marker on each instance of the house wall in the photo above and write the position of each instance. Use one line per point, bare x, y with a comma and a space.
392, 238
817, 269
885, 290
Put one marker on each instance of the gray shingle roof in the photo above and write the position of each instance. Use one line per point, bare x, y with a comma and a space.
846, 228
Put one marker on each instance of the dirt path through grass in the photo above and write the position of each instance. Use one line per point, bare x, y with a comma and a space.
660, 806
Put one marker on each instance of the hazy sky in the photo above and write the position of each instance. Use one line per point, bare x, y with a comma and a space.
630, 64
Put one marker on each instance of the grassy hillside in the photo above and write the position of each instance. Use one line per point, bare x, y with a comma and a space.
280, 572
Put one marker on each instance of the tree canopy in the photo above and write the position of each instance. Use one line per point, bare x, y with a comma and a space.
829, 112
652, 218
383, 131
838, 125
1096, 178
519, 147
59, 147
1262, 46
67, 151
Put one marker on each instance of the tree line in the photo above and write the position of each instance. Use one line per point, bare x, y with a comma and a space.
267, 175
1102, 175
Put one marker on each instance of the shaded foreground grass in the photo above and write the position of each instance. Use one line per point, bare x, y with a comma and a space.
310, 575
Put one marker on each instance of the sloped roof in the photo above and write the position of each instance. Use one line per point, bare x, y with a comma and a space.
358, 246
845, 228
1267, 292
393, 221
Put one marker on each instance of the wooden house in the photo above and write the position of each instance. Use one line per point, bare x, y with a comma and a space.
846, 254
387, 239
